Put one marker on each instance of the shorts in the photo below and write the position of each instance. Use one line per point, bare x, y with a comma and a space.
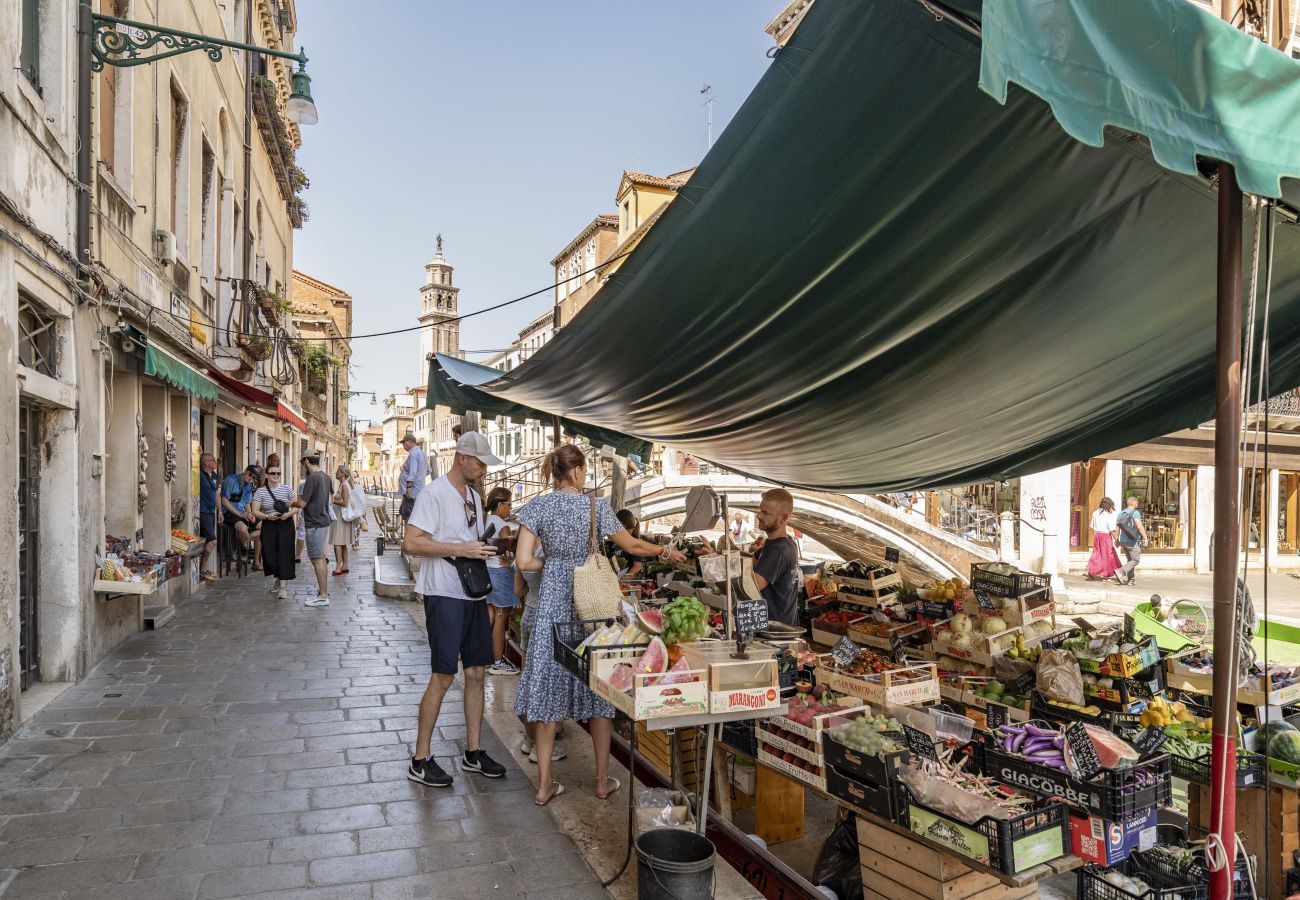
459, 631
208, 526
316, 538
503, 587
231, 520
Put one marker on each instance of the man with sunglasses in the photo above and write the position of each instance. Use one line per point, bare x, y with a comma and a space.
446, 523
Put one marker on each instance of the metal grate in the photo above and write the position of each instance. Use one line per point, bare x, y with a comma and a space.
37, 338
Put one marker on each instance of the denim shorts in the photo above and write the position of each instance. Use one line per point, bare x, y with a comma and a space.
503, 587
316, 538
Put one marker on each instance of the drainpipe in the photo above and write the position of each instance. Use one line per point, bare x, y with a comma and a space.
248, 167
85, 31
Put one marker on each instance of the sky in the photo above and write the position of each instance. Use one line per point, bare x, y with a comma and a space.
504, 126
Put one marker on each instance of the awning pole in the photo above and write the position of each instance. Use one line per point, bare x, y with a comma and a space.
1227, 522
555, 430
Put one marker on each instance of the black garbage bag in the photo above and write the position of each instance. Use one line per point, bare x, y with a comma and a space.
838, 865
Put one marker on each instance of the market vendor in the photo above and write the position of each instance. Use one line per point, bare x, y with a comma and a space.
776, 562
236, 504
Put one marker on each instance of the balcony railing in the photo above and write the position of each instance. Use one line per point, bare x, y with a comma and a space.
1287, 404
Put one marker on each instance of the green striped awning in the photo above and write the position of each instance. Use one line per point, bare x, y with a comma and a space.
171, 370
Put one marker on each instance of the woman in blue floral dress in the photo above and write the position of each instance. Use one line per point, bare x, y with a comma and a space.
548, 693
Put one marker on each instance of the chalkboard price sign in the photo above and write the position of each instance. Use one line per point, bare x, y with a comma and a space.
920, 743
1149, 742
1084, 760
1130, 629
985, 601
751, 616
1025, 683
845, 651
997, 715
891, 554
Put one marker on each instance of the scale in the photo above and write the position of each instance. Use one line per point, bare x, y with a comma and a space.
703, 509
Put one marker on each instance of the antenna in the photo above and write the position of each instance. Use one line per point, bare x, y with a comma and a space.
707, 91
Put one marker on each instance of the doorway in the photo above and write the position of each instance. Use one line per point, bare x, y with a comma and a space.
29, 461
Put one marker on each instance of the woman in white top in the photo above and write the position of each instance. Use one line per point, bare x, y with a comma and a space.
340, 531
502, 602
271, 507
1104, 560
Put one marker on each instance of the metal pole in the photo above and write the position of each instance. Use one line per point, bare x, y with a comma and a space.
1227, 522
85, 150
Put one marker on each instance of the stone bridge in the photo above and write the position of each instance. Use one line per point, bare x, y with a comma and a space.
855, 526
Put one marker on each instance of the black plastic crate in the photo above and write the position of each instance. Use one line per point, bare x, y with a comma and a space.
1003, 836
1116, 722
1094, 886
877, 799
861, 766
741, 736
568, 635
1251, 769
1199, 874
1006, 584
1103, 796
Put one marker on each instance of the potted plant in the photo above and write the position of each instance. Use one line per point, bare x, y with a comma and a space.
260, 347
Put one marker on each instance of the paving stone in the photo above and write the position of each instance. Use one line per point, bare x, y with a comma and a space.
176, 790
57, 880
164, 811
241, 882
493, 880
313, 846
329, 892
249, 804
317, 759
329, 777
554, 871
172, 887
348, 818
415, 835
19, 828
40, 851
201, 860
142, 839
427, 809
367, 867
19, 802
230, 829
353, 795
437, 857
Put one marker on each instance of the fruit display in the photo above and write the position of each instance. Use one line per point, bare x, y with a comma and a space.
869, 662
1279, 675
867, 734
835, 621
1161, 712
997, 692
942, 589
685, 619
804, 707
789, 737
1020, 650
610, 636
1089, 710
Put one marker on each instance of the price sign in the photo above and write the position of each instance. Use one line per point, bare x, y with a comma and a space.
751, 616
1088, 627
920, 743
896, 648
845, 651
985, 601
1149, 742
139, 536
891, 554
1083, 755
997, 715
1025, 683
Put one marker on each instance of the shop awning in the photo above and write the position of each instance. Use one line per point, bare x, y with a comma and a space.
880, 277
455, 392
168, 368
286, 413
246, 393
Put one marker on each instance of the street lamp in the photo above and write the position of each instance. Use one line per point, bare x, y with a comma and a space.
301, 108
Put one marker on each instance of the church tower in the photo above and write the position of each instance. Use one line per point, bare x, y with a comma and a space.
439, 331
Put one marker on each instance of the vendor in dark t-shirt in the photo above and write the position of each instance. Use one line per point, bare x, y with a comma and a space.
776, 562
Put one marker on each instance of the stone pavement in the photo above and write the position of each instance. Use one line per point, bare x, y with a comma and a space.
254, 747
1114, 599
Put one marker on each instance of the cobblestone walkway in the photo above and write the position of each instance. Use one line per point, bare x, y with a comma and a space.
254, 747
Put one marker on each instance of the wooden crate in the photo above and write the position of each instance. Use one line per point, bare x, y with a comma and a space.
897, 868
1269, 834
655, 747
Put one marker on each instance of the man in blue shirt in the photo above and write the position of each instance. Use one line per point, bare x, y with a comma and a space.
1132, 538
414, 475
209, 482
236, 499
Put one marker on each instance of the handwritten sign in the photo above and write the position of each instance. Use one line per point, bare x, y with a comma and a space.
1088, 627
896, 649
845, 651
985, 601
920, 743
1083, 756
1149, 741
1025, 683
139, 536
751, 616
891, 554
997, 715
1130, 629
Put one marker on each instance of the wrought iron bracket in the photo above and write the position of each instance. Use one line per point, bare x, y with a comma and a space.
121, 42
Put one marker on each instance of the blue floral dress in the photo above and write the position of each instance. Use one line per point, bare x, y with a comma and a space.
548, 692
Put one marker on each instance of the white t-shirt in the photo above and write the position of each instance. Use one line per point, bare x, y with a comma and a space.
1104, 521
501, 524
266, 496
441, 512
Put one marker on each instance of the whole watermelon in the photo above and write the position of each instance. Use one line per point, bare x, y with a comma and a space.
1282, 741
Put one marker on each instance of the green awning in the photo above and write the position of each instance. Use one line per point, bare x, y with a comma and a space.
881, 278
171, 370
461, 397
1188, 81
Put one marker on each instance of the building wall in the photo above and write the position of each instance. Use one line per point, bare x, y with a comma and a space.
573, 291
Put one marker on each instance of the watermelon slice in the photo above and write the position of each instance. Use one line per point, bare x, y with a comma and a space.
651, 621
677, 674
654, 660
620, 679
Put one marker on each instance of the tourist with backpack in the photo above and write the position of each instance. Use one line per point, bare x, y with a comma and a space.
1132, 538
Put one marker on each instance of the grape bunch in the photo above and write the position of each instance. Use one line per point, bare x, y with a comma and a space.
685, 619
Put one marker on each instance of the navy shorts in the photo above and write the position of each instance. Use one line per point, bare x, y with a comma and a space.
459, 631
208, 526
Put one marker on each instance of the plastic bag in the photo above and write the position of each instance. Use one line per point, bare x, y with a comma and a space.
1059, 677
659, 808
838, 864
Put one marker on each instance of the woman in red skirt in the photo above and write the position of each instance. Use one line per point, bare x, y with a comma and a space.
1104, 560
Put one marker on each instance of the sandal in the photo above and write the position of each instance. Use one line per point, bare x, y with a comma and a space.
614, 790
559, 790
346, 571
338, 571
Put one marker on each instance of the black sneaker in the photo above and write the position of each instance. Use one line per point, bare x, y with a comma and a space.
426, 771
479, 761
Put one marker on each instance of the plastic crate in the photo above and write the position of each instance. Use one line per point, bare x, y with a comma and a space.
1153, 861
1251, 769
1115, 722
1013, 845
741, 736
1094, 886
1006, 584
568, 635
1103, 796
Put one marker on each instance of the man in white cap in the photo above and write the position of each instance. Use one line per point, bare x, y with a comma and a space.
414, 474
447, 523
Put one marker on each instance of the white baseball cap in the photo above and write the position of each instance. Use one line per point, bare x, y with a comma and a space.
471, 443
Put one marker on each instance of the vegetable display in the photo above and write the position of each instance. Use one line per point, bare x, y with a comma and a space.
867, 734
685, 619
945, 786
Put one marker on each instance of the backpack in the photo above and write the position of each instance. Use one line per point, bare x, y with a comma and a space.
1125, 525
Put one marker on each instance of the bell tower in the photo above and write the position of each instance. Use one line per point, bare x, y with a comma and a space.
439, 331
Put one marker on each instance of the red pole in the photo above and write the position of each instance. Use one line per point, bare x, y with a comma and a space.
1227, 523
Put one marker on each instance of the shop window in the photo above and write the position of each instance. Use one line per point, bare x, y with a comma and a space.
208, 226
29, 59
180, 171
1166, 496
38, 335
1288, 512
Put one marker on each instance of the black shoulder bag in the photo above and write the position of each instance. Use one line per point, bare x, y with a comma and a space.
473, 573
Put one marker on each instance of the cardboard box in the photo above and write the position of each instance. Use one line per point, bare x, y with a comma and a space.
647, 700
1107, 843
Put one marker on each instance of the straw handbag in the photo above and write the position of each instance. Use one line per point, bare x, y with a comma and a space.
595, 584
